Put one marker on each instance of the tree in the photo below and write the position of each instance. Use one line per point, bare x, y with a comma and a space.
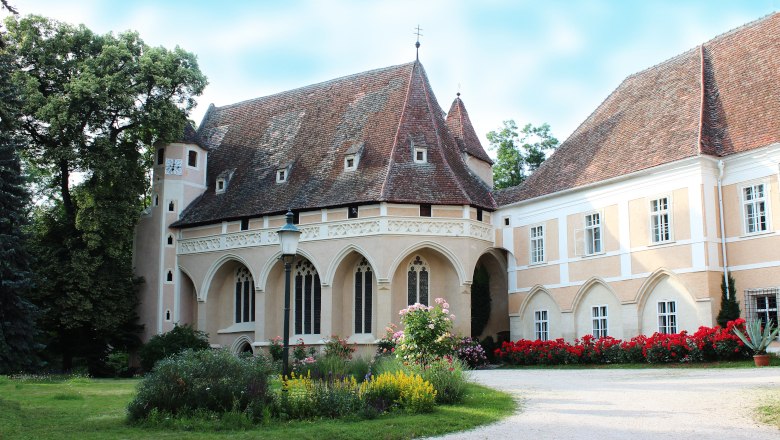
519, 156
93, 104
17, 315
729, 307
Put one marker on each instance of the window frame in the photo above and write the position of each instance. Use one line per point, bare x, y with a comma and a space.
654, 215
542, 325
223, 182
282, 175
765, 199
420, 150
312, 296
190, 151
354, 159
423, 266
426, 210
588, 228
602, 330
367, 299
353, 211
243, 312
663, 317
535, 239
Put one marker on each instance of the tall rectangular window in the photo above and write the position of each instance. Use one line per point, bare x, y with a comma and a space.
659, 220
761, 304
192, 158
754, 208
160, 156
425, 210
541, 325
667, 317
537, 244
600, 321
593, 233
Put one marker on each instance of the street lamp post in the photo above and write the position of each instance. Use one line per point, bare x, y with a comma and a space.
288, 240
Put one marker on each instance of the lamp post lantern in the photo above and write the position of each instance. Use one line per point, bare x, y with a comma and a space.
288, 240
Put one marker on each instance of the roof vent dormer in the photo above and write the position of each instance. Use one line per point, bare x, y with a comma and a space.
419, 149
223, 180
352, 156
283, 172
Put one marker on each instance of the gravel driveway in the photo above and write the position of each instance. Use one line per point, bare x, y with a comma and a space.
630, 404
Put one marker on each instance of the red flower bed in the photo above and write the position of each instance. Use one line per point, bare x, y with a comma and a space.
707, 344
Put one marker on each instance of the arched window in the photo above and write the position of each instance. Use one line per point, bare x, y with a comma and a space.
245, 296
363, 297
308, 299
417, 281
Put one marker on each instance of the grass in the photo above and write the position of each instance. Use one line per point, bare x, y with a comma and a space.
768, 410
774, 361
82, 408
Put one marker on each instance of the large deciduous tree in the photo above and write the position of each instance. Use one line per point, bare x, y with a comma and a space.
93, 104
519, 154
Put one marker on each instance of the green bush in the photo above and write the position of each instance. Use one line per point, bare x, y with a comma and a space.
182, 337
335, 346
206, 380
447, 377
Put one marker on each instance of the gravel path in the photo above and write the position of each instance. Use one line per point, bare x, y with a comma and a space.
630, 404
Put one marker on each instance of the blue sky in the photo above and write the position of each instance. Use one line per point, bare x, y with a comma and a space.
532, 61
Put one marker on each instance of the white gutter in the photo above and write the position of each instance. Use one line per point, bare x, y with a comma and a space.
721, 167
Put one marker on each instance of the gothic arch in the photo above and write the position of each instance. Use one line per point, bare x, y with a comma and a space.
585, 288
446, 253
339, 258
238, 344
213, 271
652, 281
536, 290
192, 279
269, 265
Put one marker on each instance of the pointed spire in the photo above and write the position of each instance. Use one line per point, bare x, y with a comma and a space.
460, 126
417, 44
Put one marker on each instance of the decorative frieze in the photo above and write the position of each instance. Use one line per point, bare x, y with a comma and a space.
342, 229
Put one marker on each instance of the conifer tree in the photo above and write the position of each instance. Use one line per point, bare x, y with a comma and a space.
729, 306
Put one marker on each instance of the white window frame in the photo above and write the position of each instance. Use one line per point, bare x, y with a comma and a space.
754, 202
599, 321
424, 152
542, 325
197, 159
282, 174
658, 216
588, 236
222, 181
354, 159
537, 254
667, 319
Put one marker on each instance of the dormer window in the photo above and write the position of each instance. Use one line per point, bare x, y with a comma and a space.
223, 179
350, 162
281, 175
220, 186
420, 155
352, 156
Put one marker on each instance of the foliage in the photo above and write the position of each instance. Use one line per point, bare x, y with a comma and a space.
480, 301
729, 307
180, 338
471, 353
17, 315
519, 156
447, 377
335, 346
119, 363
386, 345
207, 380
303, 357
276, 349
707, 344
92, 106
756, 336
409, 392
427, 332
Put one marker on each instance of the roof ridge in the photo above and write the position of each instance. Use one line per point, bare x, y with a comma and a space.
311, 86
701, 101
398, 131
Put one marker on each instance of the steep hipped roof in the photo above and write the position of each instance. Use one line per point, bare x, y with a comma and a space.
380, 115
460, 126
718, 99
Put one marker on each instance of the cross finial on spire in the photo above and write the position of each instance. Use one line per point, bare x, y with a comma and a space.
417, 44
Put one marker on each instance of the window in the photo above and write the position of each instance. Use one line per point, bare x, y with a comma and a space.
156, 200
417, 281
281, 175
296, 217
479, 214
761, 304
659, 220
160, 156
171, 206
168, 315
170, 240
593, 233
755, 212
537, 244
192, 158
506, 221
541, 325
599, 314
425, 210
352, 211
420, 155
244, 224
169, 276
363, 297
308, 299
350, 162
220, 185
667, 317
244, 304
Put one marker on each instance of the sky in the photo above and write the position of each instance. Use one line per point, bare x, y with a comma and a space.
550, 61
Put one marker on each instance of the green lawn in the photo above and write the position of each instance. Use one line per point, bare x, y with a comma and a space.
95, 409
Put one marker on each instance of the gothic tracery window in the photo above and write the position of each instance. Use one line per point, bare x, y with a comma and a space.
245, 296
417, 278
363, 297
308, 299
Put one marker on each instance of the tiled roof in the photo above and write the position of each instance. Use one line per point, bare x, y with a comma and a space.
661, 114
460, 126
376, 114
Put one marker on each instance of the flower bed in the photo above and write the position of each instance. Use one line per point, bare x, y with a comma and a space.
707, 344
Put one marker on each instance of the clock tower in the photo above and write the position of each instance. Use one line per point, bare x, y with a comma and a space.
178, 177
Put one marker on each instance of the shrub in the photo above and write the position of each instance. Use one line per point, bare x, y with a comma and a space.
471, 353
447, 377
276, 349
663, 348
427, 332
205, 380
182, 337
118, 362
335, 346
386, 364
386, 345
359, 368
407, 391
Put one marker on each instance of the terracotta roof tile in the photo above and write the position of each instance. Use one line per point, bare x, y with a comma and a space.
460, 126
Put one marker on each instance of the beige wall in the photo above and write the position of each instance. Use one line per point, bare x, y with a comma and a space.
598, 295
541, 300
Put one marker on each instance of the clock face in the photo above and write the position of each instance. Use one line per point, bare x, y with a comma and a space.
173, 166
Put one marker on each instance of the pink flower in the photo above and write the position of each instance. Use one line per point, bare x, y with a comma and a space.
452, 316
445, 311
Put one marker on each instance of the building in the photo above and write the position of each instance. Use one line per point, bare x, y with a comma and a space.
626, 229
